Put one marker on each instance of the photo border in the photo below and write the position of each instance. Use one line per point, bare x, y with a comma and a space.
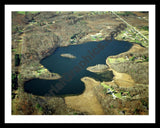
79, 119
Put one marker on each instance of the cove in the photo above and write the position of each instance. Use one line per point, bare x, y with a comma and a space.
72, 70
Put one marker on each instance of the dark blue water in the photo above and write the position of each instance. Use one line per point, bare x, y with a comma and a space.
72, 70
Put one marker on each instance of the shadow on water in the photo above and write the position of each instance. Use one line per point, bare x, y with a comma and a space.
72, 70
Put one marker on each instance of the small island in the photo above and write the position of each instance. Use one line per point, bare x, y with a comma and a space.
98, 68
68, 55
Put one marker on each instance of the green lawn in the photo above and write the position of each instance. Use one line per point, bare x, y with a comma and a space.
23, 12
106, 86
118, 95
116, 60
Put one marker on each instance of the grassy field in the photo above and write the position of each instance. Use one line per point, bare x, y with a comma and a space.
24, 12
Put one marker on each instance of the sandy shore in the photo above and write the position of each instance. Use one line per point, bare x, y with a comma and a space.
86, 102
121, 79
124, 79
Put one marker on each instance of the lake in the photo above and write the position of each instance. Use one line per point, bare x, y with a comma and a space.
72, 70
